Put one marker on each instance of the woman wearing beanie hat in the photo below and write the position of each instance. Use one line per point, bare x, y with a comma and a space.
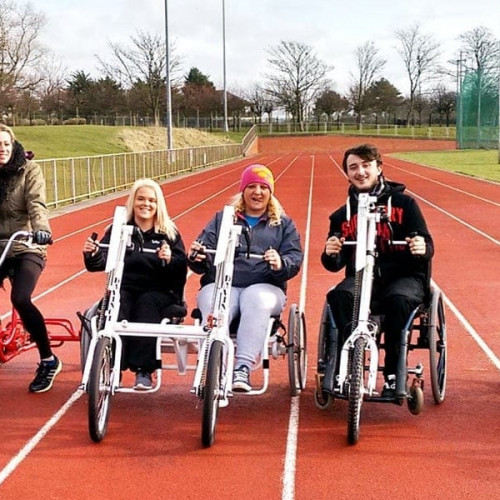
259, 286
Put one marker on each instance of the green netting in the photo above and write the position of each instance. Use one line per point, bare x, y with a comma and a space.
477, 111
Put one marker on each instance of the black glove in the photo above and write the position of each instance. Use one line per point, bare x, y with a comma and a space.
42, 238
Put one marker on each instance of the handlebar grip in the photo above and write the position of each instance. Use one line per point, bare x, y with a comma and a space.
93, 237
163, 242
194, 253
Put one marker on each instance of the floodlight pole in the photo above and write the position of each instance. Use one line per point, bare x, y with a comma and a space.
226, 128
169, 91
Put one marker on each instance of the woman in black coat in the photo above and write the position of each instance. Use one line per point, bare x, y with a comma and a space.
151, 281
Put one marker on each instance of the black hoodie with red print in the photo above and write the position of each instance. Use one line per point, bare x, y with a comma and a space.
405, 219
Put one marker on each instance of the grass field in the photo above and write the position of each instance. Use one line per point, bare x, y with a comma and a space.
72, 140
476, 163
91, 140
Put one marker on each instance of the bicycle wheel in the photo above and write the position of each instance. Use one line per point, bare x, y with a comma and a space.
211, 393
355, 398
296, 350
437, 348
86, 333
326, 359
99, 389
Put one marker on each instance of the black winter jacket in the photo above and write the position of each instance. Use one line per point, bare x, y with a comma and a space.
144, 271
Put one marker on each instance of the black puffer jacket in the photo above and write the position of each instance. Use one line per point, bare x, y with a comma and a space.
144, 271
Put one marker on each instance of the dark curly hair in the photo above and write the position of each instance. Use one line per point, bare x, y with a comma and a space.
367, 152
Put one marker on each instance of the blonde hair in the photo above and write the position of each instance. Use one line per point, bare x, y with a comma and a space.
162, 223
274, 208
6, 128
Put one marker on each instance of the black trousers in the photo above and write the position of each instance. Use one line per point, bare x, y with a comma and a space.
395, 300
146, 307
23, 272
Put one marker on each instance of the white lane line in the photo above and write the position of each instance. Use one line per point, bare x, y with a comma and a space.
454, 217
49, 290
30, 445
33, 442
288, 491
472, 332
458, 190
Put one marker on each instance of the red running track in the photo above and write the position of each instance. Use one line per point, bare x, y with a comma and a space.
270, 446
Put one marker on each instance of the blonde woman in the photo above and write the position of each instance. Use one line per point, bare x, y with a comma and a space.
151, 282
259, 286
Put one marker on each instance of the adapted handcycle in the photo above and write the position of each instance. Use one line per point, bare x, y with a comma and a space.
14, 338
350, 371
211, 345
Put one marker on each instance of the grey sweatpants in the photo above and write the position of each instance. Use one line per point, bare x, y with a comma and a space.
255, 305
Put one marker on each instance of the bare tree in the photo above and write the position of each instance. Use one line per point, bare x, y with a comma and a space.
443, 103
480, 47
368, 66
257, 99
51, 90
480, 51
331, 104
142, 66
20, 49
419, 52
298, 76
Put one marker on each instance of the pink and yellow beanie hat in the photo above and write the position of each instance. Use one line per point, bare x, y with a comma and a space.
258, 174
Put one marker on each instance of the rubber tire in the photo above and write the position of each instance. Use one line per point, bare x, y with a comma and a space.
296, 350
211, 391
302, 352
99, 390
322, 399
86, 335
437, 349
355, 399
416, 400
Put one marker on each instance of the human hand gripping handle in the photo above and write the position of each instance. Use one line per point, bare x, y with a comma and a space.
164, 253
416, 244
197, 251
273, 258
334, 244
42, 237
91, 245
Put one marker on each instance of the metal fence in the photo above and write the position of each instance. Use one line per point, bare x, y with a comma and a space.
337, 127
71, 180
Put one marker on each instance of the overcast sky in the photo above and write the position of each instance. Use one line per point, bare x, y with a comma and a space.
79, 30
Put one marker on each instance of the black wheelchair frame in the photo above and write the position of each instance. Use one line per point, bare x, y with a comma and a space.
424, 329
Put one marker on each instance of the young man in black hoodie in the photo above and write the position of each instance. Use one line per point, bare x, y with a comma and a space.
401, 270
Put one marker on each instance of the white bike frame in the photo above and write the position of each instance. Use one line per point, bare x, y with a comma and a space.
368, 217
178, 336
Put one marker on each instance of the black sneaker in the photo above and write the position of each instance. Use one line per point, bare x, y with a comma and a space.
241, 379
389, 389
45, 375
